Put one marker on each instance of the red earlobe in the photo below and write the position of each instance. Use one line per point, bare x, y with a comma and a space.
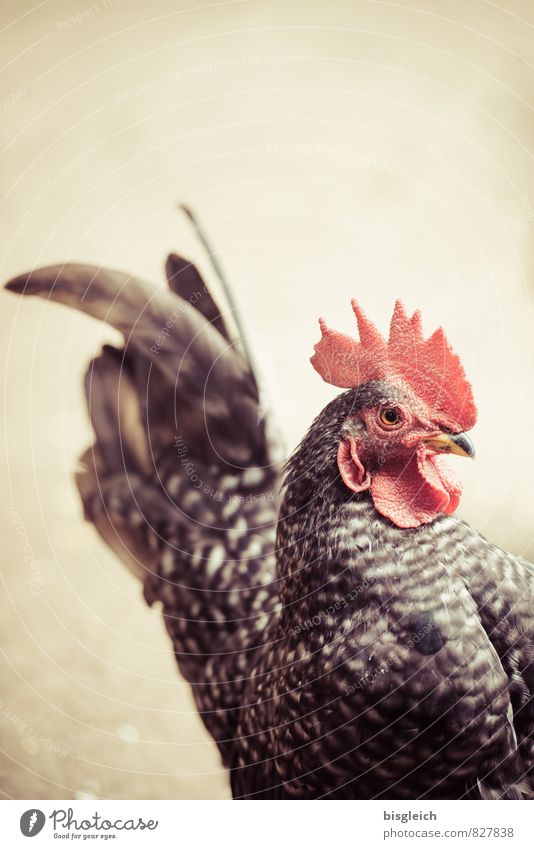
350, 467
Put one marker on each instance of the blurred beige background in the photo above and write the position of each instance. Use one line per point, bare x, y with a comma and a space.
332, 149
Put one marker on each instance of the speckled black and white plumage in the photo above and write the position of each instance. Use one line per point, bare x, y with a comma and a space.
345, 658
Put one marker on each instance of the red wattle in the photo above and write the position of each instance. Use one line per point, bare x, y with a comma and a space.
448, 480
412, 492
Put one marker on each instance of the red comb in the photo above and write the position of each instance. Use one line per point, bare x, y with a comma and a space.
429, 366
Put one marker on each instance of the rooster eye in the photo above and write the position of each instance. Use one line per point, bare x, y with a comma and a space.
391, 417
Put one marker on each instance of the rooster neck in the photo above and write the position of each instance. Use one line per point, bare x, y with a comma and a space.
337, 554
309, 529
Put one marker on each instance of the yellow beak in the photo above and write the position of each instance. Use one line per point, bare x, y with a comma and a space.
451, 443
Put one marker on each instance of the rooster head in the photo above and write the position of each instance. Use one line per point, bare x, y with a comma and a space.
412, 405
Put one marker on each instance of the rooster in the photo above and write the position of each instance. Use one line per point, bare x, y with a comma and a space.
350, 638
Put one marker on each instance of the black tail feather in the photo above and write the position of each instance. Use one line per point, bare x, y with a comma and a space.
210, 393
184, 280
